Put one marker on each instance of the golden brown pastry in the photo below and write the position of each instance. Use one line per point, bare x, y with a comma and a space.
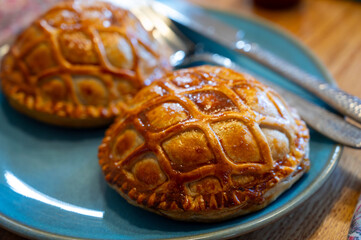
80, 63
205, 144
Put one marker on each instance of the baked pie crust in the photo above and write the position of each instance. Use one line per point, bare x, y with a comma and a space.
205, 144
80, 63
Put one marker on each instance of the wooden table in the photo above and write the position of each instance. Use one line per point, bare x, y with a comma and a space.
332, 29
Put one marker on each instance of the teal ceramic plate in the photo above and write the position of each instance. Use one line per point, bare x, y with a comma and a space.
51, 185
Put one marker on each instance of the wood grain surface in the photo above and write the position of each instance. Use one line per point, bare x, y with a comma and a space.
332, 30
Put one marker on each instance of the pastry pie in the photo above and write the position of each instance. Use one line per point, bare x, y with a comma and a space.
205, 144
80, 63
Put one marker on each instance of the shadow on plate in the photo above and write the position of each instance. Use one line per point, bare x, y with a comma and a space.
142, 219
42, 130
137, 219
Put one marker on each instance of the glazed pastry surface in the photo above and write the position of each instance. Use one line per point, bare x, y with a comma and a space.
80, 64
205, 144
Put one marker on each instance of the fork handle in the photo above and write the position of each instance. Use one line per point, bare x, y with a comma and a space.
341, 101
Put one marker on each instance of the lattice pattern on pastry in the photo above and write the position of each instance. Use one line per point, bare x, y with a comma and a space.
104, 45
208, 138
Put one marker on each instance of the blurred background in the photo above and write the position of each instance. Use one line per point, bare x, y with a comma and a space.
331, 29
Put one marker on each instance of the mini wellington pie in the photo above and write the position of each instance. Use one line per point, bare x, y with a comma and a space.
205, 144
80, 63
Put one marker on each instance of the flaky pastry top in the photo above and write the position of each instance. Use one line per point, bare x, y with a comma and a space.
204, 138
81, 59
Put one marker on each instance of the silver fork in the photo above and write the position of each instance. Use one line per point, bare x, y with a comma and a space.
165, 32
185, 52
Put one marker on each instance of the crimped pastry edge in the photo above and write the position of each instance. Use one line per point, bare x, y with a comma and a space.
217, 215
63, 113
63, 121
201, 208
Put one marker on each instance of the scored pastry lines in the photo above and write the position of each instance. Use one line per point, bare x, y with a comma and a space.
48, 37
190, 124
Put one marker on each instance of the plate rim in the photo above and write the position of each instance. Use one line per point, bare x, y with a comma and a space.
319, 180
26, 231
